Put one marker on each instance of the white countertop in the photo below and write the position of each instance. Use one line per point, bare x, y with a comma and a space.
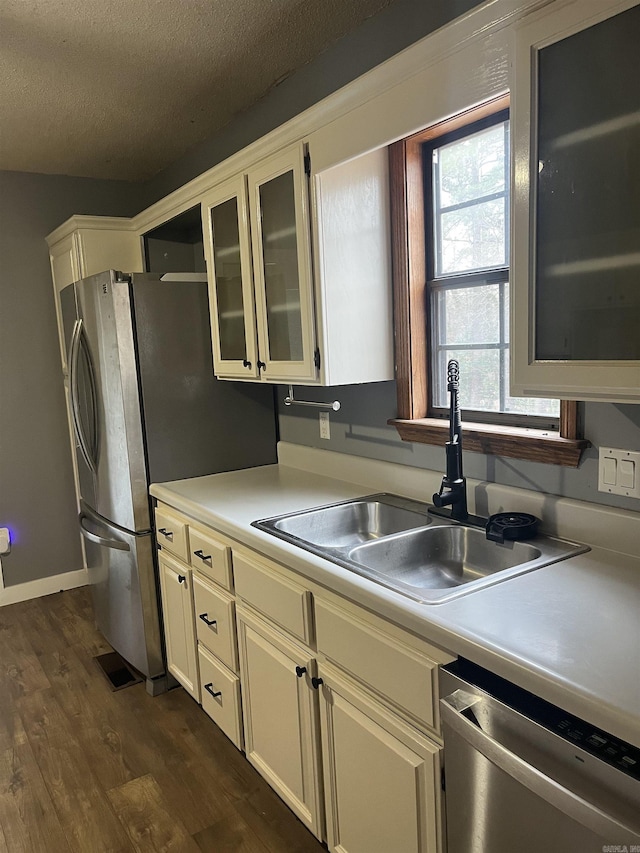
569, 632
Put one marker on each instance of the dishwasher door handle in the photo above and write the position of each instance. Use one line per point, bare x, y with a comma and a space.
574, 806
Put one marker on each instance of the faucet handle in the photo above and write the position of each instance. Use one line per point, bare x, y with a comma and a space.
453, 375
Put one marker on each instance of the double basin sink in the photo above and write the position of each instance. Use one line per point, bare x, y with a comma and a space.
397, 543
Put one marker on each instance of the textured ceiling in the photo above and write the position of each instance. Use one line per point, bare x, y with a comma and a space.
122, 88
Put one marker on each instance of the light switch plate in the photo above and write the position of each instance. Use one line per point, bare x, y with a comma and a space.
5, 541
619, 472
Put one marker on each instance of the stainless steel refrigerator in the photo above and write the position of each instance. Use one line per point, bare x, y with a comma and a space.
146, 408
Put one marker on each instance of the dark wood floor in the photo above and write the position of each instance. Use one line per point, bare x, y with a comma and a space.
83, 768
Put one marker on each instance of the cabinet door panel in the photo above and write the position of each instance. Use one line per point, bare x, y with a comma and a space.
280, 726
380, 776
282, 257
177, 607
225, 224
576, 302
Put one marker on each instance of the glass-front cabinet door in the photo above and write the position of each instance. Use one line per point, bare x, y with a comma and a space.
279, 206
225, 222
576, 125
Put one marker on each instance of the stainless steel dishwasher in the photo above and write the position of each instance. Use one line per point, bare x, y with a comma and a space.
523, 776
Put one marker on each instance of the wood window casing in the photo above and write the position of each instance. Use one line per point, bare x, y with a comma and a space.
562, 447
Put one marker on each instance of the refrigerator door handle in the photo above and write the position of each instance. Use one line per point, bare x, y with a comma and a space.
116, 544
74, 355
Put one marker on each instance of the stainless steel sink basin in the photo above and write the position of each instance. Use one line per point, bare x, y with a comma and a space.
392, 541
351, 523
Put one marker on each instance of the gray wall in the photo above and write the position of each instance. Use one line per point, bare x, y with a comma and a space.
37, 499
360, 428
377, 39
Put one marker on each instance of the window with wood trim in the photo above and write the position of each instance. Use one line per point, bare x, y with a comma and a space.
450, 226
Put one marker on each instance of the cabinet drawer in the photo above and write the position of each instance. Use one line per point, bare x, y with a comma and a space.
221, 696
215, 622
398, 672
272, 593
211, 558
172, 533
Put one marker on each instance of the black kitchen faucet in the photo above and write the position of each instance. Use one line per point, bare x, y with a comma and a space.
453, 489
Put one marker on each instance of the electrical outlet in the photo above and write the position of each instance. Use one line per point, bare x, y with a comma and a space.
5, 541
325, 427
619, 472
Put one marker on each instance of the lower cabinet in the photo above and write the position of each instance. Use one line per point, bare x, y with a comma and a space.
333, 705
280, 715
177, 606
381, 776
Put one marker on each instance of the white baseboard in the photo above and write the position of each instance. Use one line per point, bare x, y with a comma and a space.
43, 586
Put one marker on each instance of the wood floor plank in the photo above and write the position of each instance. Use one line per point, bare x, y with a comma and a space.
96, 718
28, 820
20, 670
74, 622
231, 835
148, 819
275, 823
71, 739
86, 815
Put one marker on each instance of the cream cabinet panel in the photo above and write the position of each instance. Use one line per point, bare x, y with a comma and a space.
280, 716
172, 532
221, 696
258, 249
576, 264
211, 557
381, 777
352, 265
408, 678
225, 223
177, 608
275, 594
215, 621
279, 204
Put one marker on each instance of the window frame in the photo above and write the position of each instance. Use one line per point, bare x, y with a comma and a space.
412, 322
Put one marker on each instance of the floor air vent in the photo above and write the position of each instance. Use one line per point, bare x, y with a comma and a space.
117, 671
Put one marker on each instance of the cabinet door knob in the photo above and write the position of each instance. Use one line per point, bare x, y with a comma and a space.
182, 579
214, 693
316, 682
246, 363
165, 532
202, 555
300, 671
206, 621
262, 365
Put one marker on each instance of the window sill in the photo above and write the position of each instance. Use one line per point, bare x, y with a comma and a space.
515, 442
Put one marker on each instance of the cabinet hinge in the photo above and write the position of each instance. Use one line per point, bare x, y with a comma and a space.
307, 163
316, 358
442, 779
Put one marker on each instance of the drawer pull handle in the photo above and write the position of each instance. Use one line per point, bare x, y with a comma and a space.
202, 555
316, 682
182, 579
166, 533
214, 693
300, 671
206, 621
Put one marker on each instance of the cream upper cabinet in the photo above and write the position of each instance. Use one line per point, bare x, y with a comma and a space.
576, 143
275, 315
86, 245
258, 250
